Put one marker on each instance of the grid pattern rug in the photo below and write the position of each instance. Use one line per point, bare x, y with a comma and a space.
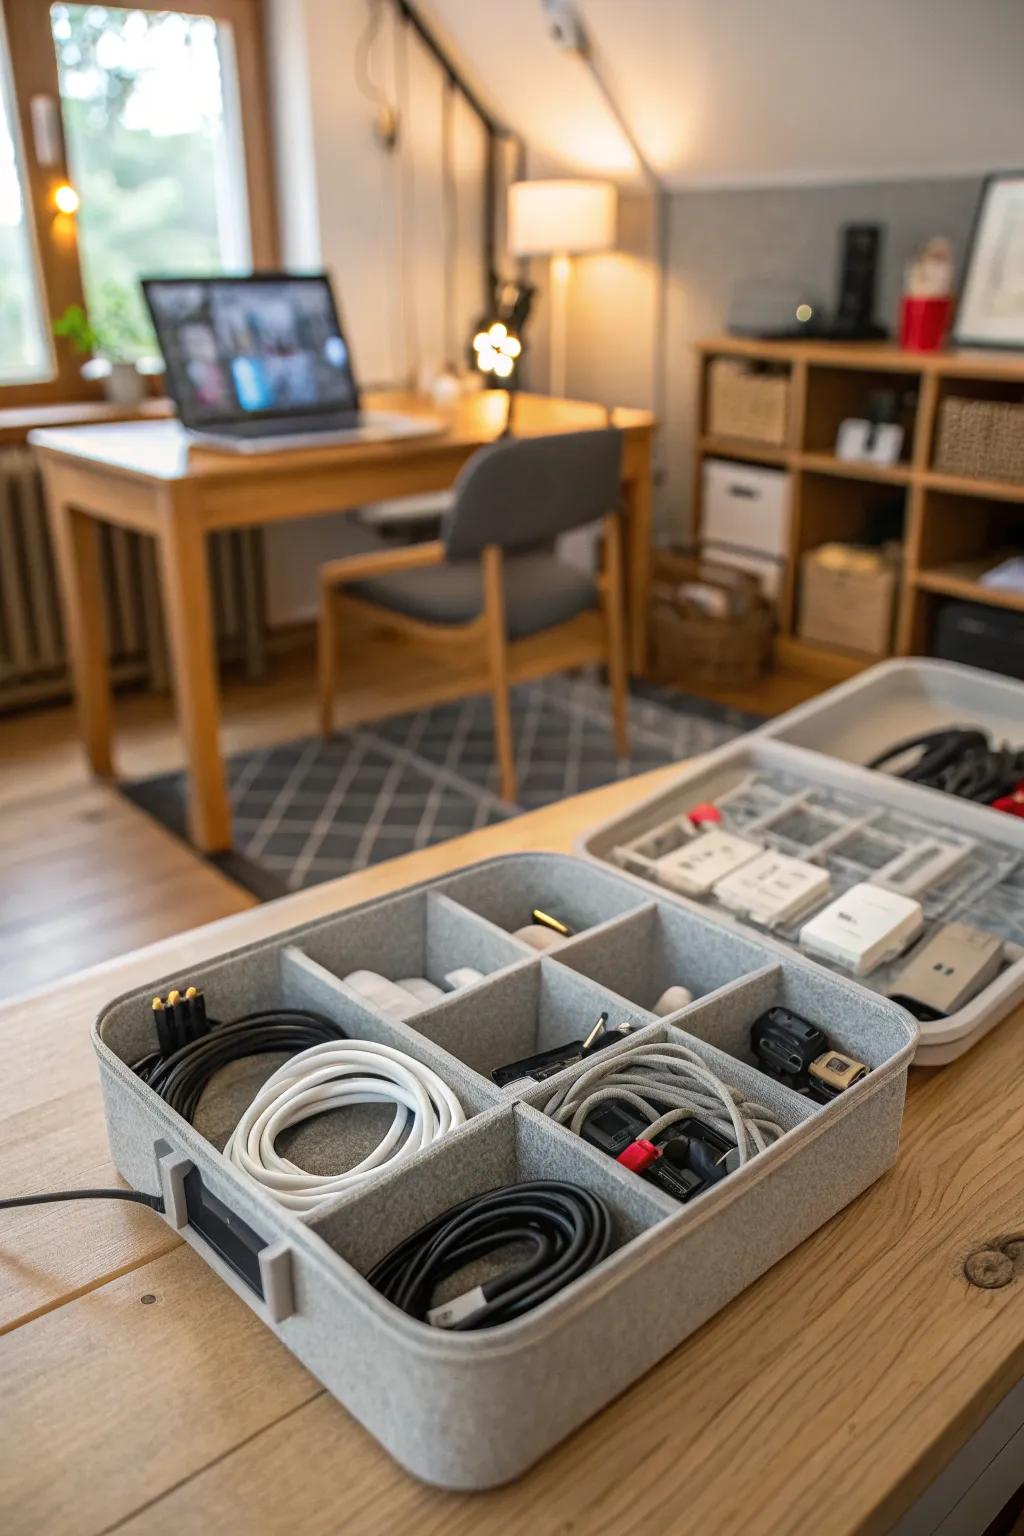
309, 810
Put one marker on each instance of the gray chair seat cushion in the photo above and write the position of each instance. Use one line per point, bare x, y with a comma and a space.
540, 591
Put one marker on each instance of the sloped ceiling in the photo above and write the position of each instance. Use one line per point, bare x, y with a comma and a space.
754, 92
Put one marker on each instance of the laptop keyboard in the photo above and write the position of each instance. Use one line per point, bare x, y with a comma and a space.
292, 426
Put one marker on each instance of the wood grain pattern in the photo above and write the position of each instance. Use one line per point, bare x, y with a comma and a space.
497, 666
822, 1400
85, 876
188, 616
75, 540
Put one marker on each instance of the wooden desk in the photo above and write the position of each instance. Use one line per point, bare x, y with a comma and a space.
145, 476
137, 1388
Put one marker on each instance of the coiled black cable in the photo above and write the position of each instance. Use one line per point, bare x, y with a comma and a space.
959, 761
181, 1078
568, 1229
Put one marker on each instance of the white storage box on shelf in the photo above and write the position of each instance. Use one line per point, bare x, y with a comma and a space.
745, 520
470, 1410
746, 506
964, 863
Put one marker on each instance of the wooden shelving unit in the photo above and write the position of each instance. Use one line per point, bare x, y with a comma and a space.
954, 528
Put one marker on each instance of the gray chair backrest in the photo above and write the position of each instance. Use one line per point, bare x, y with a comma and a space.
522, 491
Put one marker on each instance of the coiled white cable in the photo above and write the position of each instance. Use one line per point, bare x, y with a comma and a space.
666, 1083
337, 1075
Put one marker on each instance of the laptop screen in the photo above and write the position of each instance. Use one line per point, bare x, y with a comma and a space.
239, 348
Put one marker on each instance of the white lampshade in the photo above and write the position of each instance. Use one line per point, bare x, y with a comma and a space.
548, 218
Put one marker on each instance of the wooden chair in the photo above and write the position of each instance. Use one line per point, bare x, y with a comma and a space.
493, 581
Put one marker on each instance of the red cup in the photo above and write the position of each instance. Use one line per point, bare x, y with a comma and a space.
924, 323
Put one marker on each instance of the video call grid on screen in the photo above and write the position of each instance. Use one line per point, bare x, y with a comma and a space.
252, 347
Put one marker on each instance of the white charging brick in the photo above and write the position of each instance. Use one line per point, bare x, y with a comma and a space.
697, 867
863, 928
774, 889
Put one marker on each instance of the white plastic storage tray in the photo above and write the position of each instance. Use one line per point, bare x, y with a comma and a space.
896, 700
961, 861
470, 1410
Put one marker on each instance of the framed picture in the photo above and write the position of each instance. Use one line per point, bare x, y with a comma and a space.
990, 312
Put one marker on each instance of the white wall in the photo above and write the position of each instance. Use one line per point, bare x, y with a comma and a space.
374, 219
756, 92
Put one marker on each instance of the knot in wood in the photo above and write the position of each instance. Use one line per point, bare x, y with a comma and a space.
989, 1269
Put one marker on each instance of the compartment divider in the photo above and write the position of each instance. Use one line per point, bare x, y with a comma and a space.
503, 936
321, 990
450, 925
528, 1008
599, 1172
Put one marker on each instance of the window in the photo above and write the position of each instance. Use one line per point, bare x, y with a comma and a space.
165, 139
24, 341
151, 122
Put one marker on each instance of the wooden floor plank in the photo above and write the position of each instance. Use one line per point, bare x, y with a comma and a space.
87, 876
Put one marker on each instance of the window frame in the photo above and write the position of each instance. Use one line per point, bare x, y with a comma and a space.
33, 68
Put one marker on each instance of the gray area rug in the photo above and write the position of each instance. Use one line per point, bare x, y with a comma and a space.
307, 811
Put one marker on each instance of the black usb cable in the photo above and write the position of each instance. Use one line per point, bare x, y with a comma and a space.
566, 1229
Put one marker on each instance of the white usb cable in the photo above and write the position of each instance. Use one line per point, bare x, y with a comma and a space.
337, 1075
666, 1083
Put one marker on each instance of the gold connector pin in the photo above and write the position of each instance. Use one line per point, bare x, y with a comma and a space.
595, 1033
547, 921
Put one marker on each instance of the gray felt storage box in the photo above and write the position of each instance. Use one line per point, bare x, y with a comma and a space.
470, 1410
777, 787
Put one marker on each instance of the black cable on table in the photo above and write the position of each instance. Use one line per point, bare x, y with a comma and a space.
567, 1229
155, 1202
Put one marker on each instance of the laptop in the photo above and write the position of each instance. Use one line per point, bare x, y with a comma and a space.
257, 364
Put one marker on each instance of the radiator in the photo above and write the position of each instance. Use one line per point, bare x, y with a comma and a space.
33, 660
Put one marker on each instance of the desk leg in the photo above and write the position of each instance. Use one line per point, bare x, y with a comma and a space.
185, 580
75, 537
637, 497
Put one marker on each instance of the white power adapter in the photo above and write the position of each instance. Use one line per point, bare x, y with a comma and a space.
863, 928
774, 889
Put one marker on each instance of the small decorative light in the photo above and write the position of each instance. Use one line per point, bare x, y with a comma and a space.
804, 313
65, 198
496, 350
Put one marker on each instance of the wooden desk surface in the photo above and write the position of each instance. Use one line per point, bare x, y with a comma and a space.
139, 1391
160, 450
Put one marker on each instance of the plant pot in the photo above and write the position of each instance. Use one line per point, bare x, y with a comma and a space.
124, 385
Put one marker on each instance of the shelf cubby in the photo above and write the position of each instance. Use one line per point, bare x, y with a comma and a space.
954, 527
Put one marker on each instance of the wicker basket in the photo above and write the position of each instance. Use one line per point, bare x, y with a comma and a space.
981, 438
693, 648
747, 401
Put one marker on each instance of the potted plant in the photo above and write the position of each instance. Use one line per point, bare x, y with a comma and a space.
111, 344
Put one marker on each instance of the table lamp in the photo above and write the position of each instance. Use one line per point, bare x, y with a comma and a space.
560, 219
